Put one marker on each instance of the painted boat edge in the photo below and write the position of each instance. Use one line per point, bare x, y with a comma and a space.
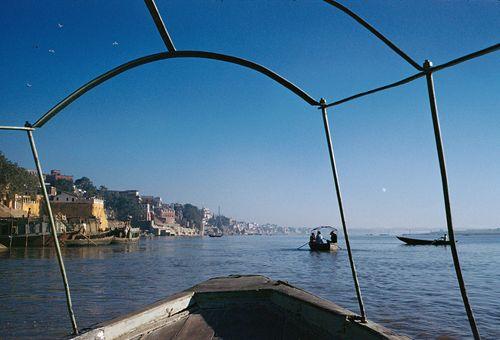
233, 285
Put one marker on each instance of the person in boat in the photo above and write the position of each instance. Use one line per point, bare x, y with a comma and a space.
312, 238
333, 236
319, 238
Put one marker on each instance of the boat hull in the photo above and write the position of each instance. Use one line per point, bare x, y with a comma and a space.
124, 240
323, 247
419, 242
240, 307
30, 241
92, 242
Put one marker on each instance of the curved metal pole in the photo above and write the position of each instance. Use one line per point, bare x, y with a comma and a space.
18, 128
446, 195
378, 89
489, 49
379, 35
170, 55
341, 210
54, 232
484, 51
160, 25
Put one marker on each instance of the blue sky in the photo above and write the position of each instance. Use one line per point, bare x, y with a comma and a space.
211, 133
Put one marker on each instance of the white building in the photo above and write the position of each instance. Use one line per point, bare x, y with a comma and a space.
66, 197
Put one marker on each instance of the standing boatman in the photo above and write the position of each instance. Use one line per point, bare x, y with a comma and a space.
333, 236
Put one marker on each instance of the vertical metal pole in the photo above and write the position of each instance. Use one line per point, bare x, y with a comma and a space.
11, 228
341, 209
54, 233
447, 205
26, 229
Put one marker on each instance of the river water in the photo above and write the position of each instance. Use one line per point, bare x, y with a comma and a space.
409, 289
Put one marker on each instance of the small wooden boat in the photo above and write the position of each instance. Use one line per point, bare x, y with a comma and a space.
122, 236
123, 240
84, 241
214, 235
240, 307
329, 246
418, 242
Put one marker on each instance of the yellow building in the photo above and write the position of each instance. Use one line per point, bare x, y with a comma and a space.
28, 204
80, 210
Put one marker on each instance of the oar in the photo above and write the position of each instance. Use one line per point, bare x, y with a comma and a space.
88, 238
302, 245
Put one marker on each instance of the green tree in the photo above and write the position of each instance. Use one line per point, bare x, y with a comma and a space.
123, 206
63, 185
192, 214
86, 185
16, 180
219, 221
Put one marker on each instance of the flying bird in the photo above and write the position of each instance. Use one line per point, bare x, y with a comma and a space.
28, 85
52, 51
115, 43
60, 25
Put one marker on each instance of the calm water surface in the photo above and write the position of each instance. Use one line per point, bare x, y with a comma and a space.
411, 290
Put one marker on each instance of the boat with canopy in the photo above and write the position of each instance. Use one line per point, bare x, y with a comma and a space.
328, 245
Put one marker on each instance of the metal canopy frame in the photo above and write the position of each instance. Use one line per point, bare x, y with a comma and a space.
426, 70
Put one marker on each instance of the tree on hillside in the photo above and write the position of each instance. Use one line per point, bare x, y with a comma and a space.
123, 206
219, 221
16, 180
63, 185
192, 214
86, 185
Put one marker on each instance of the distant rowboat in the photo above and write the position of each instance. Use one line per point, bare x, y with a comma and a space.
215, 235
418, 242
330, 246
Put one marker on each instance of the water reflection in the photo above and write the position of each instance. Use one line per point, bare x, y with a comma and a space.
397, 282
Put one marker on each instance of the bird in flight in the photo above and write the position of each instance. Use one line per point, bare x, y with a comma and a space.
115, 43
28, 85
52, 51
60, 25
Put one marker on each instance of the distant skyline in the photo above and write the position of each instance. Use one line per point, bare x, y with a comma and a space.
212, 133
